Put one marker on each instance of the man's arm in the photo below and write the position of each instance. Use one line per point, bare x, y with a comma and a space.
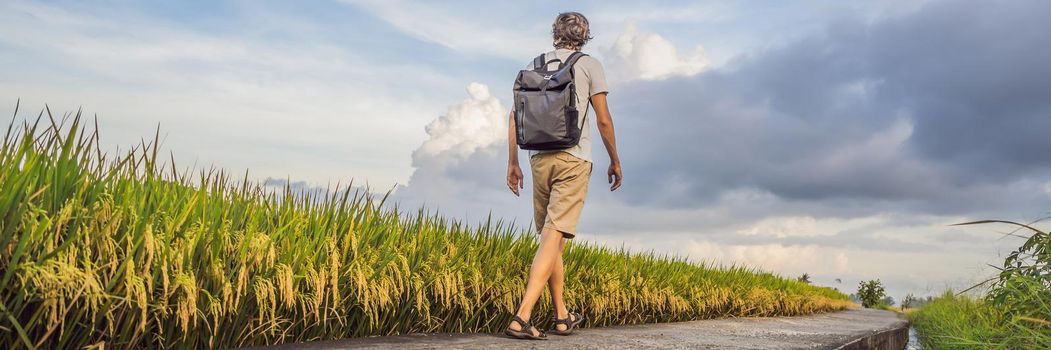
514, 172
605, 128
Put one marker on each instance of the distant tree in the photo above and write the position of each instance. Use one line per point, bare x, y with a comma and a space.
805, 278
909, 301
855, 298
888, 301
871, 293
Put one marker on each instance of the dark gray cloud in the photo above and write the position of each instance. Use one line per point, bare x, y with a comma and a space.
923, 111
975, 75
881, 132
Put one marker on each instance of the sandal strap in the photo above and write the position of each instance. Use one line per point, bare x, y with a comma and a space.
568, 321
526, 325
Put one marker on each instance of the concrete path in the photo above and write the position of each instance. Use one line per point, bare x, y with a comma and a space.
851, 329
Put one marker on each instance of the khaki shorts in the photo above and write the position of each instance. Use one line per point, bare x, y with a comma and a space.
560, 184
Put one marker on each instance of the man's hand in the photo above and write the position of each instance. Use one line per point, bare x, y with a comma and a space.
614, 176
514, 178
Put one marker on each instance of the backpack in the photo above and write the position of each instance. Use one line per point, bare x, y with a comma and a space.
546, 105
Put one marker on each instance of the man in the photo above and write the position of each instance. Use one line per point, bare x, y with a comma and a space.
560, 180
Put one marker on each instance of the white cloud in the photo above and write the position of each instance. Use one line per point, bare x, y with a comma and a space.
693, 12
902, 259
460, 167
649, 56
465, 32
785, 259
313, 107
633, 55
806, 226
477, 123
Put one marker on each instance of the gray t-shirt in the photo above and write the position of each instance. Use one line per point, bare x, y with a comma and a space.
589, 80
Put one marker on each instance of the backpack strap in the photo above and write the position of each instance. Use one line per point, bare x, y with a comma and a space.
573, 57
570, 61
541, 62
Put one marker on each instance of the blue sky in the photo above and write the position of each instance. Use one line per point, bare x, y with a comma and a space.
190, 49
828, 137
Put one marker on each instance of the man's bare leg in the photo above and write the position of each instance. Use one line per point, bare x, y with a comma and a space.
539, 272
556, 284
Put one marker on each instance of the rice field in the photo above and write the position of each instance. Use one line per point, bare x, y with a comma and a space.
123, 251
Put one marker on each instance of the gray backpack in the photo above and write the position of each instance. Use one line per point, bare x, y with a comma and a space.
546, 105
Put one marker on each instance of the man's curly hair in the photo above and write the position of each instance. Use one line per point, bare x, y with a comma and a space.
570, 30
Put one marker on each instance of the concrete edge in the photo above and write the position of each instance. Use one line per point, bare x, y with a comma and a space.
895, 337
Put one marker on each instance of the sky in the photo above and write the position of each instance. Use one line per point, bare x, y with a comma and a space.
834, 138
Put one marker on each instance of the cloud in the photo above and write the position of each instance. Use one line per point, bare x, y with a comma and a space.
794, 259
475, 124
891, 250
633, 54
648, 56
238, 99
460, 30
691, 12
303, 188
805, 226
460, 168
874, 112
845, 152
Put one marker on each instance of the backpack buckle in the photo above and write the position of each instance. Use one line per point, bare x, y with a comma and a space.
548, 77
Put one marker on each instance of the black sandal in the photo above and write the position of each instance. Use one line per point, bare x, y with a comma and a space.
571, 322
526, 332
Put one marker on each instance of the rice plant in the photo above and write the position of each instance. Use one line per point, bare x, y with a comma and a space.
123, 251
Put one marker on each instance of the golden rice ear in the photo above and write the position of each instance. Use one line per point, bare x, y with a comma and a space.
284, 277
185, 292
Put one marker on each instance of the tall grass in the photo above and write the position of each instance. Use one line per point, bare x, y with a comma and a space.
962, 322
125, 252
1015, 313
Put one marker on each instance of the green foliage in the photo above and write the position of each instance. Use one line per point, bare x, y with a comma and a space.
961, 322
128, 253
871, 293
1016, 312
1024, 282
